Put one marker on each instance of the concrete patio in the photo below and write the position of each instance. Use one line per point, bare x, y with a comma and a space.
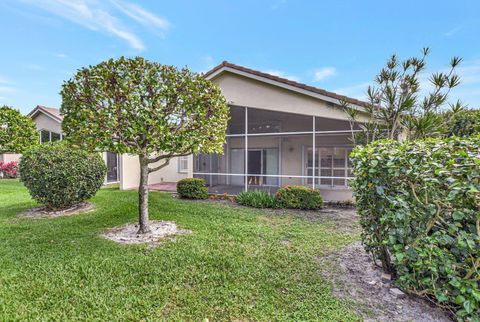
163, 186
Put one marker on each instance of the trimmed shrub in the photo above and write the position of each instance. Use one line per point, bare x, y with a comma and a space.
8, 170
419, 205
192, 188
299, 197
60, 176
256, 199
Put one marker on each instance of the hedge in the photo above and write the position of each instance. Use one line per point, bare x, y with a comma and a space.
463, 123
419, 206
60, 176
192, 188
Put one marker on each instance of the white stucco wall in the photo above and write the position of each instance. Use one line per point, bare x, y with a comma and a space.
130, 172
242, 91
9, 157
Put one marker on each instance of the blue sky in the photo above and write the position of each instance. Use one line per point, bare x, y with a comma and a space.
335, 45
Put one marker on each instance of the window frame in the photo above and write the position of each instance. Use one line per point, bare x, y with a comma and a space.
41, 141
184, 160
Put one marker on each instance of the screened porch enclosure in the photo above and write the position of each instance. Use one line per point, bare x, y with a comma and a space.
265, 150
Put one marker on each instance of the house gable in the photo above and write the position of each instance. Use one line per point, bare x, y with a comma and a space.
47, 118
244, 87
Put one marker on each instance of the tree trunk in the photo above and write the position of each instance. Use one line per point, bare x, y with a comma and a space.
144, 227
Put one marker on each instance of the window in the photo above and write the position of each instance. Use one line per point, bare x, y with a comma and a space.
44, 136
183, 164
48, 136
55, 137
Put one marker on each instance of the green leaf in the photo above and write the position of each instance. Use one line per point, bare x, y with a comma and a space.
467, 305
457, 215
380, 190
460, 299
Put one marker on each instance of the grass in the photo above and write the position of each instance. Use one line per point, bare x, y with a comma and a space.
235, 265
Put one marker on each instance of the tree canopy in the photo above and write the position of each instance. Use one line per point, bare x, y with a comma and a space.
139, 107
18, 133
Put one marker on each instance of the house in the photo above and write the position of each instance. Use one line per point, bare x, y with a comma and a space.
48, 121
280, 133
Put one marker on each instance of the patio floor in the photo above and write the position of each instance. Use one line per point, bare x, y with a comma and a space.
163, 186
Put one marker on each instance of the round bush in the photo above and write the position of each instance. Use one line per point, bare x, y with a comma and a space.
60, 176
192, 188
299, 197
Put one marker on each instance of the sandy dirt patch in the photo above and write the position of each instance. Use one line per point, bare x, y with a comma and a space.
357, 278
43, 212
160, 230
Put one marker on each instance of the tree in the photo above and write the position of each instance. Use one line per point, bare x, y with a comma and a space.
18, 133
397, 105
143, 108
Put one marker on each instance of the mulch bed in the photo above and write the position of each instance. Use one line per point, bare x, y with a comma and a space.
160, 230
43, 212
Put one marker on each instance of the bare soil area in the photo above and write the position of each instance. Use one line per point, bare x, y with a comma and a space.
160, 230
44, 212
357, 278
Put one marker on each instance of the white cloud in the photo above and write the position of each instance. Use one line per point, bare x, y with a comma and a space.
142, 16
60, 55
35, 67
7, 89
323, 73
279, 73
98, 16
453, 31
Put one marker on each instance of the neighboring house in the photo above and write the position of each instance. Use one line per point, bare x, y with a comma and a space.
280, 133
49, 125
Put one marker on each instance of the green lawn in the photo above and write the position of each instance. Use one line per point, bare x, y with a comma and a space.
235, 265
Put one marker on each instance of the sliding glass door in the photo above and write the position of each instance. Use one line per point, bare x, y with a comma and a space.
112, 167
262, 167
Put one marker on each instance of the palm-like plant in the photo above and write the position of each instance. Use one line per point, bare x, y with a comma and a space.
398, 108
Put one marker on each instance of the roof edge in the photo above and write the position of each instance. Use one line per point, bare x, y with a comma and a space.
225, 64
44, 110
